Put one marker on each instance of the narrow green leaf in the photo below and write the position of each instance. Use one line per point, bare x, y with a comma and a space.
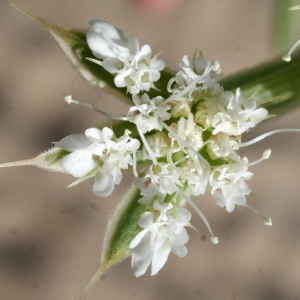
121, 230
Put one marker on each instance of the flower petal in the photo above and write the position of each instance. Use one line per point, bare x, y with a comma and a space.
141, 256
160, 256
79, 163
104, 184
104, 38
73, 142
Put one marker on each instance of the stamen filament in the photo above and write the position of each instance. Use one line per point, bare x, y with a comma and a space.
181, 160
149, 150
267, 221
287, 57
261, 137
134, 164
213, 238
184, 91
170, 130
69, 100
266, 155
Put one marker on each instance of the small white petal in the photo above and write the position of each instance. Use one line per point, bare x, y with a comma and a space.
94, 135
160, 257
73, 142
113, 65
141, 256
138, 239
79, 163
146, 220
182, 235
133, 45
104, 184
104, 39
120, 79
177, 248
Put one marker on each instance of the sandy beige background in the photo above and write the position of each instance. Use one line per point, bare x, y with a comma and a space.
50, 236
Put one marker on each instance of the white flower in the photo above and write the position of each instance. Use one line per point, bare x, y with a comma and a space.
200, 66
180, 108
237, 114
107, 41
189, 132
221, 145
198, 79
195, 174
159, 180
160, 236
206, 112
100, 154
134, 67
228, 183
141, 72
147, 113
159, 143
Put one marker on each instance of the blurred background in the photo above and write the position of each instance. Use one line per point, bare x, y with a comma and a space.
50, 236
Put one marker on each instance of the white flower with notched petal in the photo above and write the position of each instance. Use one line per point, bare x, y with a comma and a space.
160, 179
198, 79
229, 185
133, 67
237, 114
195, 173
221, 145
100, 154
199, 65
160, 236
148, 113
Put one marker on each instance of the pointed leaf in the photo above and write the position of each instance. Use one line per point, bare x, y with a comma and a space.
121, 230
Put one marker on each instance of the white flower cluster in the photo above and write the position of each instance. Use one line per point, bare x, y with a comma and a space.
132, 66
98, 154
188, 143
160, 235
